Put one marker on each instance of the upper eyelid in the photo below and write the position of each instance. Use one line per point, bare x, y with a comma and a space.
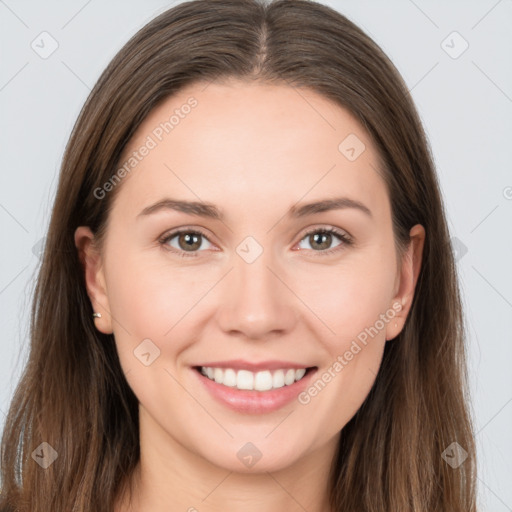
326, 227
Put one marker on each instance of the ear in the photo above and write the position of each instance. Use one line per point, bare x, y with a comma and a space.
406, 281
92, 263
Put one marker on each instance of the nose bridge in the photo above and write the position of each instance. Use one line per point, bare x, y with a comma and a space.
256, 302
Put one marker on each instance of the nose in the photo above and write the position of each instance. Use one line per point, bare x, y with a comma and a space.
256, 301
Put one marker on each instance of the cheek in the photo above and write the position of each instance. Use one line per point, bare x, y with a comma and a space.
355, 303
342, 384
348, 300
147, 298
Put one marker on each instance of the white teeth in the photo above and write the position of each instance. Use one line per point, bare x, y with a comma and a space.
263, 381
218, 375
300, 373
289, 377
259, 381
229, 378
245, 380
278, 379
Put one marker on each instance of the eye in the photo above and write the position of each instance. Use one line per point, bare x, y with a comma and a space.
321, 239
185, 241
188, 242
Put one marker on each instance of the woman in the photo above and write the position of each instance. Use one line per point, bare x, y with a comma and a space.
247, 296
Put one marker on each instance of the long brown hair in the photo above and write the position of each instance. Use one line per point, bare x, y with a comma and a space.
73, 394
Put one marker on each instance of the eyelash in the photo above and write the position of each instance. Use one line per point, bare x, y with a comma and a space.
342, 236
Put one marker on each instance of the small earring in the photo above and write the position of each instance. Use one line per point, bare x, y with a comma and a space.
396, 325
96, 315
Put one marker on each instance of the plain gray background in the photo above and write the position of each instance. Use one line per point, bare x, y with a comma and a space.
464, 96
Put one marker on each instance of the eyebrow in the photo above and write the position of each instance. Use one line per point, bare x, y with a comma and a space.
209, 210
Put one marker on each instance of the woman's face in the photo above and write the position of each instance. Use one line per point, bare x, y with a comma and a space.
244, 293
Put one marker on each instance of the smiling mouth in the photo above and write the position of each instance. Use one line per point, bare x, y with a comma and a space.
245, 380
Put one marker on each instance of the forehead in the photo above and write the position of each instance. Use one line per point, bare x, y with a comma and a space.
244, 142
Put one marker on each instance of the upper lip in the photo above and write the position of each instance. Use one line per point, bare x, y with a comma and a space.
240, 364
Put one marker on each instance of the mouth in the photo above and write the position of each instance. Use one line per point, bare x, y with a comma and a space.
246, 380
261, 390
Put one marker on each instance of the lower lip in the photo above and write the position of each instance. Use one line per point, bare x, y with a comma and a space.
255, 402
